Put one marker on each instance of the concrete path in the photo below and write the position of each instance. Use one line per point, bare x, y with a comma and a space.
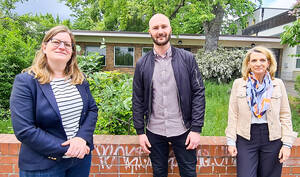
289, 85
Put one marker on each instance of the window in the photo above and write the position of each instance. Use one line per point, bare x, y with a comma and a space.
298, 63
124, 56
146, 50
97, 49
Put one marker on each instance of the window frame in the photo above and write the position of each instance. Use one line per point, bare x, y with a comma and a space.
86, 52
146, 48
124, 66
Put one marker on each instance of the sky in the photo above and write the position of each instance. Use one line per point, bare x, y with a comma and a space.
53, 7
58, 8
278, 3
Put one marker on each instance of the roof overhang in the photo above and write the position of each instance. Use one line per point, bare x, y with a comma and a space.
181, 39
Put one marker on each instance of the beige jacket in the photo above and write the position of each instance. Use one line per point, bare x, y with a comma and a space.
278, 114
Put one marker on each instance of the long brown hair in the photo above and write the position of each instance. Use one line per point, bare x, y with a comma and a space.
40, 68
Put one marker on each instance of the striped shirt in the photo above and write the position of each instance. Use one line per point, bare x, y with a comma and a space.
69, 103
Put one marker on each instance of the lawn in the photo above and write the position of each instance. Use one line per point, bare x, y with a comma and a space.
217, 98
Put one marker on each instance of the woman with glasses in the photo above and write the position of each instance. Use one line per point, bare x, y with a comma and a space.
259, 131
53, 112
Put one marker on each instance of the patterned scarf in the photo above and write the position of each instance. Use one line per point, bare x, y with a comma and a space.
259, 95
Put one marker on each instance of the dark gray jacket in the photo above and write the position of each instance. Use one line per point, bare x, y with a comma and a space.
190, 88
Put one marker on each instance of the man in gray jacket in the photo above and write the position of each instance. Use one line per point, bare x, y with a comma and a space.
168, 91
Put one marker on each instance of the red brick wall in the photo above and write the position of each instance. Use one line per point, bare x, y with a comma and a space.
121, 156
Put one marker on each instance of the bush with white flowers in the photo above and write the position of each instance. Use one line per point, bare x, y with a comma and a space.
221, 65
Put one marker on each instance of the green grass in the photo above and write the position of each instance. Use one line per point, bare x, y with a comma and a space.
294, 102
217, 98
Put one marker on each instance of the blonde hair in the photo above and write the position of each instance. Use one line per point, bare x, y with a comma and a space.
270, 57
40, 68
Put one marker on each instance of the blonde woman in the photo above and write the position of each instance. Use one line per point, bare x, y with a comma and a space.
259, 131
53, 112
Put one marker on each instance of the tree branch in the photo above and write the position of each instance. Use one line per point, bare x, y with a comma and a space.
177, 9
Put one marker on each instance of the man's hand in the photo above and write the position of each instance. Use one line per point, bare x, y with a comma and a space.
192, 140
144, 142
232, 151
78, 147
284, 154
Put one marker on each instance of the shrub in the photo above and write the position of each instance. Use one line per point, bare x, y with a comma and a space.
221, 65
113, 92
91, 63
4, 114
16, 53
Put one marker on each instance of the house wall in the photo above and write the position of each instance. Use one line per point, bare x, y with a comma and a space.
121, 156
288, 68
110, 66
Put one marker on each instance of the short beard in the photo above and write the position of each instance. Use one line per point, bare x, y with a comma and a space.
161, 43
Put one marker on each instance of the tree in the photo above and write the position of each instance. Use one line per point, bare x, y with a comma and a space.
16, 53
6, 6
20, 36
187, 16
291, 35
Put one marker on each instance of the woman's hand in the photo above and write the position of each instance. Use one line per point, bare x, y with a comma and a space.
284, 154
78, 147
232, 151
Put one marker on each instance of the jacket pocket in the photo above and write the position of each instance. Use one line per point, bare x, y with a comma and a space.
275, 102
242, 102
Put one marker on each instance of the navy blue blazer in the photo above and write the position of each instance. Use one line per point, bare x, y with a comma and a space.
37, 122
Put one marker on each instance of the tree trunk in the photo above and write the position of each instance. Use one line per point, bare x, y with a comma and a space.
212, 29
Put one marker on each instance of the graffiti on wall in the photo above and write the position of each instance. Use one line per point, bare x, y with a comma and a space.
133, 157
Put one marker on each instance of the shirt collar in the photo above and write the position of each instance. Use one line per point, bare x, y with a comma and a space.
168, 54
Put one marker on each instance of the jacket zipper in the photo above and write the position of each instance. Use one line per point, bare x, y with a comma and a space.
150, 97
150, 101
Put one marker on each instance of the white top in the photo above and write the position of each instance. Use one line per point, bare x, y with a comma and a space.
69, 103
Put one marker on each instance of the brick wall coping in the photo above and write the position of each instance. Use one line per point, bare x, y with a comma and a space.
131, 139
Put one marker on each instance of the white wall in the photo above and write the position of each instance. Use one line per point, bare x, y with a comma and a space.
268, 13
288, 63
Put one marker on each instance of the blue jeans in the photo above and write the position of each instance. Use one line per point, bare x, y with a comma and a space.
71, 167
159, 155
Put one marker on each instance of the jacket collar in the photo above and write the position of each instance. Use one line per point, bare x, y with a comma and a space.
46, 88
274, 82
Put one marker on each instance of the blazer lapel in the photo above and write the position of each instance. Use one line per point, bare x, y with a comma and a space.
82, 91
47, 90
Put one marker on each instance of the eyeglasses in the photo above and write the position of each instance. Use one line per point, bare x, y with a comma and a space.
56, 43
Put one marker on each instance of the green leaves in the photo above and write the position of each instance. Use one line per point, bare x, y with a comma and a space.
291, 35
16, 53
91, 63
113, 92
229, 64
